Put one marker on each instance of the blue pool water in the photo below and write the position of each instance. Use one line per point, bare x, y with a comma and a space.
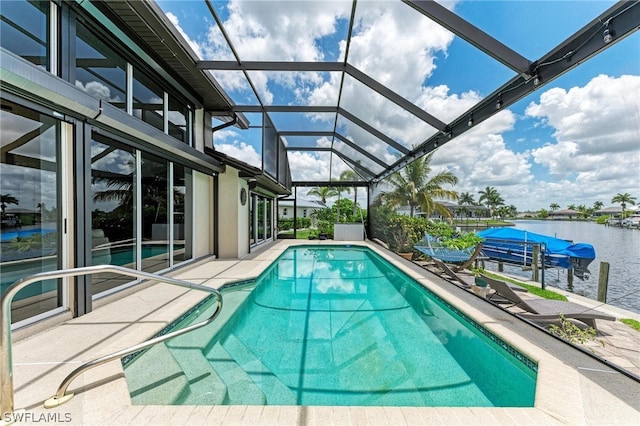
333, 326
9, 235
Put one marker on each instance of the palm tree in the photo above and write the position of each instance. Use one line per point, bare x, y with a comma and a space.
466, 199
491, 198
554, 207
412, 186
571, 207
7, 199
623, 199
350, 175
323, 192
598, 205
584, 211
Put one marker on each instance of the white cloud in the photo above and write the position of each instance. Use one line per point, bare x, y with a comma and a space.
480, 158
309, 166
241, 151
595, 132
600, 117
597, 137
98, 90
192, 43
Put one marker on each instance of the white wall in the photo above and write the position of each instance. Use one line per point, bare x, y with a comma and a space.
203, 214
233, 217
243, 220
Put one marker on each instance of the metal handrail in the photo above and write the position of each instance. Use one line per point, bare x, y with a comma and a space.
61, 396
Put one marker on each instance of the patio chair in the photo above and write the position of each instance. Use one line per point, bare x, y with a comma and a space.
545, 310
456, 277
466, 280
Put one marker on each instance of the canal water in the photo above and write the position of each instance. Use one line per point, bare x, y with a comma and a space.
616, 246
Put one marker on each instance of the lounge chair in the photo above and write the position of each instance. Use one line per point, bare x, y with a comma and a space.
545, 310
467, 281
456, 277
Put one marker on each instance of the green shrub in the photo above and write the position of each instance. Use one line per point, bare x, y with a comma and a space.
284, 224
570, 332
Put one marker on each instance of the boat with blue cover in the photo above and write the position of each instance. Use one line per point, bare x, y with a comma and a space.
512, 245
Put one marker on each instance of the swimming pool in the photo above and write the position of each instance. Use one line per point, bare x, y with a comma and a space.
7, 235
333, 325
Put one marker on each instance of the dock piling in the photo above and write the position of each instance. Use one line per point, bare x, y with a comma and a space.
603, 282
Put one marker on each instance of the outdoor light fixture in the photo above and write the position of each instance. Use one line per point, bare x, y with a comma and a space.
499, 103
435, 144
607, 36
470, 122
536, 81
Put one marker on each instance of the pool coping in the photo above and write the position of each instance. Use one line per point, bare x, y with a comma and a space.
572, 387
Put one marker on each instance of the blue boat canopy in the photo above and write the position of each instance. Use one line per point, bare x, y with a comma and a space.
553, 245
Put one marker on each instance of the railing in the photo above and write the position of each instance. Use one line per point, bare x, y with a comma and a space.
61, 396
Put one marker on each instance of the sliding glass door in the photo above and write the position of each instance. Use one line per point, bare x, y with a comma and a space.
30, 206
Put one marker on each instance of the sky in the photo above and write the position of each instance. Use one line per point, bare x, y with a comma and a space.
575, 140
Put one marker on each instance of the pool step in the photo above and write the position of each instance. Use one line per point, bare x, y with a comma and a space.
241, 390
204, 387
162, 384
280, 394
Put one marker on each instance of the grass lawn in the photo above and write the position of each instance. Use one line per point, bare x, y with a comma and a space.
547, 294
631, 323
301, 234
482, 223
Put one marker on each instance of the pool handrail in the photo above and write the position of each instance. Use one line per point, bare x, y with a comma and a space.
61, 396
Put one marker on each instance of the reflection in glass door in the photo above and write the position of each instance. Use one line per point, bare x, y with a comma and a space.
182, 213
261, 219
30, 208
155, 219
113, 232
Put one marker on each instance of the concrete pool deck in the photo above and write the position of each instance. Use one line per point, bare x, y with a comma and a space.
573, 387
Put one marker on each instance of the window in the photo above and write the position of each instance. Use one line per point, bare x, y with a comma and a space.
25, 30
113, 230
148, 100
182, 213
179, 120
30, 208
260, 226
99, 71
155, 227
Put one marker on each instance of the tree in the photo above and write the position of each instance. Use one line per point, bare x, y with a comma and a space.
623, 199
554, 207
350, 175
571, 207
507, 211
584, 211
412, 186
598, 205
491, 198
466, 199
7, 199
323, 192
